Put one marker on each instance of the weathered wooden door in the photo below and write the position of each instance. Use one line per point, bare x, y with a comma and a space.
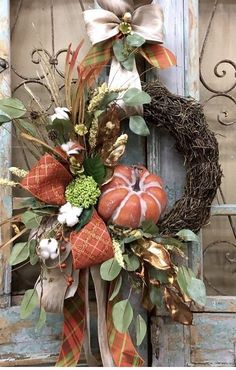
211, 341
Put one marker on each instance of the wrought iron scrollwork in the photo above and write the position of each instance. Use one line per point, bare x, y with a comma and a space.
219, 72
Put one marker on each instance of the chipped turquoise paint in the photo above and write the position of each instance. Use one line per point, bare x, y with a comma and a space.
5, 145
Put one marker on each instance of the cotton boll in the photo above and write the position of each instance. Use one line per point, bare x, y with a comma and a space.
53, 256
61, 218
66, 208
43, 244
52, 245
77, 211
44, 254
71, 220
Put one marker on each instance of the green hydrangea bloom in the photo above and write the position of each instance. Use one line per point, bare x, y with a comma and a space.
83, 192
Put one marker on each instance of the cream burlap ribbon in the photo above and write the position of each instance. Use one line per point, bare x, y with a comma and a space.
145, 19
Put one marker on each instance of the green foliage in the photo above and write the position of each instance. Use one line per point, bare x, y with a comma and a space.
28, 202
128, 64
122, 314
108, 98
85, 218
119, 50
32, 252
42, 319
158, 275
12, 108
156, 295
116, 288
138, 125
3, 119
124, 54
135, 40
135, 97
94, 167
82, 192
188, 236
132, 262
29, 303
197, 291
31, 220
141, 330
190, 286
27, 127
110, 269
63, 127
149, 227
19, 253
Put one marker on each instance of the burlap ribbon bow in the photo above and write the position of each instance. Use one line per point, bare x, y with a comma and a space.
120, 18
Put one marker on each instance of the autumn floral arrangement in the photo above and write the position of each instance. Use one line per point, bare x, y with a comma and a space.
87, 211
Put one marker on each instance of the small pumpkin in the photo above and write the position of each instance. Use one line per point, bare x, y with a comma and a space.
132, 196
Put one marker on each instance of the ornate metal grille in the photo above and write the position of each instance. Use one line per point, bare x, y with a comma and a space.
221, 71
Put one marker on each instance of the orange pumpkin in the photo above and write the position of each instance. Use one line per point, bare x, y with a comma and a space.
132, 196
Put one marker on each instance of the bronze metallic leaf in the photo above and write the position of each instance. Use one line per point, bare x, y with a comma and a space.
179, 311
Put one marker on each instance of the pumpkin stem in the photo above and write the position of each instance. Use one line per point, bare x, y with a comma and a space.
136, 186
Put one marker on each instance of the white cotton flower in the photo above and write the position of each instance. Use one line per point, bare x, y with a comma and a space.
60, 113
48, 248
69, 215
70, 148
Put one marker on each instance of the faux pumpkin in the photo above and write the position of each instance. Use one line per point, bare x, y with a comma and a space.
132, 196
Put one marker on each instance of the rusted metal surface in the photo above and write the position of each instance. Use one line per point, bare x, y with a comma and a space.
5, 156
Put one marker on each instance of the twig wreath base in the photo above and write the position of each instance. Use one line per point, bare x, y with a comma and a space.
185, 121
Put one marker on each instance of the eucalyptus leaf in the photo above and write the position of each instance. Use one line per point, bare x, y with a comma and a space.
134, 97
197, 291
116, 288
3, 119
135, 40
119, 50
132, 262
12, 107
24, 125
156, 296
122, 314
149, 227
141, 330
34, 258
138, 125
19, 253
42, 319
29, 303
85, 218
188, 236
94, 167
128, 63
184, 276
108, 98
26, 202
158, 275
31, 220
110, 269
63, 127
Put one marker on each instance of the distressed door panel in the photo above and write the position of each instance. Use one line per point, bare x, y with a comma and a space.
213, 340
22, 345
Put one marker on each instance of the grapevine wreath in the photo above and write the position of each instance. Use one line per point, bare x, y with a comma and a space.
185, 121
86, 213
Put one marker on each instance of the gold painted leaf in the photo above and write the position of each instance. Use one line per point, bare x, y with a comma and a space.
153, 253
179, 311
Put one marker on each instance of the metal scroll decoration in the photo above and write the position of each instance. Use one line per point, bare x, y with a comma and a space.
185, 121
